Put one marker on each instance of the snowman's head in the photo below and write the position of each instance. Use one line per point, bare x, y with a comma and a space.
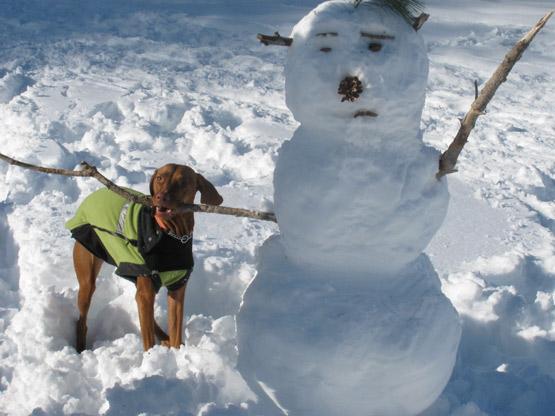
356, 66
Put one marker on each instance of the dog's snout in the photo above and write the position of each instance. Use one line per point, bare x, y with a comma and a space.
350, 88
162, 198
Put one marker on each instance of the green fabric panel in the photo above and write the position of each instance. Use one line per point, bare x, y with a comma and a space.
102, 209
119, 249
170, 277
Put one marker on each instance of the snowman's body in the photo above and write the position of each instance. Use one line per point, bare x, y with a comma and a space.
356, 208
346, 315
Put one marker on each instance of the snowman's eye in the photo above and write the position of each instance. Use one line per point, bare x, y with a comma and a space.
375, 47
325, 49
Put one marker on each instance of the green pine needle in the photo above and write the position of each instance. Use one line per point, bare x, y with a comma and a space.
409, 10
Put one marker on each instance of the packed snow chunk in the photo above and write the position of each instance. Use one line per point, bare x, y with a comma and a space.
320, 348
351, 208
14, 84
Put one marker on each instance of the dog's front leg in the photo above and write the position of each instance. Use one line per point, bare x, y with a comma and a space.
145, 302
176, 300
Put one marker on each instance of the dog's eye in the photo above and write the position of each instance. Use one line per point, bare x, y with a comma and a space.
159, 178
184, 184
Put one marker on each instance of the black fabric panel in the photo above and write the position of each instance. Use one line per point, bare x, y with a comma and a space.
161, 251
88, 238
131, 271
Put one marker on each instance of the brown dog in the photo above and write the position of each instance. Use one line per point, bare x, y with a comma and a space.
150, 246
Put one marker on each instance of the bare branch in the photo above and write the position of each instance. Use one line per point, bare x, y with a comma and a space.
448, 159
41, 169
237, 212
88, 171
277, 39
92, 172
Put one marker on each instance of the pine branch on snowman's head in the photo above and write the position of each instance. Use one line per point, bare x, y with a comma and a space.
406, 9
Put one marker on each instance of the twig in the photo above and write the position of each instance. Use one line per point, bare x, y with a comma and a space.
92, 172
372, 36
277, 39
237, 212
448, 159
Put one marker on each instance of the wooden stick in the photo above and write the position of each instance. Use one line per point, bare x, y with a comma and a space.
448, 159
277, 39
372, 36
92, 172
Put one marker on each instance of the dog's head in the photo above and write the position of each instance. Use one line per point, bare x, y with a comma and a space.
172, 184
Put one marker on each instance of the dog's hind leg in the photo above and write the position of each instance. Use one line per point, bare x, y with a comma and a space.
87, 267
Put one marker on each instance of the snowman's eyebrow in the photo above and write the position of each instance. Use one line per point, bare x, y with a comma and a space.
375, 36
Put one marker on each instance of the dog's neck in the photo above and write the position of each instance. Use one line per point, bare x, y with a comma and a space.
180, 225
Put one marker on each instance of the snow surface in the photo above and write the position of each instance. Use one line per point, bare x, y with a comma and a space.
129, 86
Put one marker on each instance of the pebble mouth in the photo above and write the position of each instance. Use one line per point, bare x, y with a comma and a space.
366, 113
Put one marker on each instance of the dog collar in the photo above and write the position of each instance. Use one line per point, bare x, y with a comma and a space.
161, 224
183, 239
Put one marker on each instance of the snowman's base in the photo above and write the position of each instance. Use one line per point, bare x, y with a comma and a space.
317, 346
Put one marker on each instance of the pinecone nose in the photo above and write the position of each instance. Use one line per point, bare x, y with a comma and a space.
350, 88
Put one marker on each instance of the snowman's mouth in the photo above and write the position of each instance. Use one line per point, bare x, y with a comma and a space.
366, 113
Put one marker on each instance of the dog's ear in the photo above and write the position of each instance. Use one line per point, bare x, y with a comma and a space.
152, 182
208, 193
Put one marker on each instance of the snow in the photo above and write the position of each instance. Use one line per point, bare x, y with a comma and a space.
356, 346
129, 86
375, 166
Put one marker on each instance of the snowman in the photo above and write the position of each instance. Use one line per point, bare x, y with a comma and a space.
346, 314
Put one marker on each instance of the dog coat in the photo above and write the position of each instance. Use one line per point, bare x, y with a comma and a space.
126, 235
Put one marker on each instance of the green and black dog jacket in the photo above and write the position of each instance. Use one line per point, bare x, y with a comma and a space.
126, 235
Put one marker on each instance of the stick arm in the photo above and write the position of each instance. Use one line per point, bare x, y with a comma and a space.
448, 159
